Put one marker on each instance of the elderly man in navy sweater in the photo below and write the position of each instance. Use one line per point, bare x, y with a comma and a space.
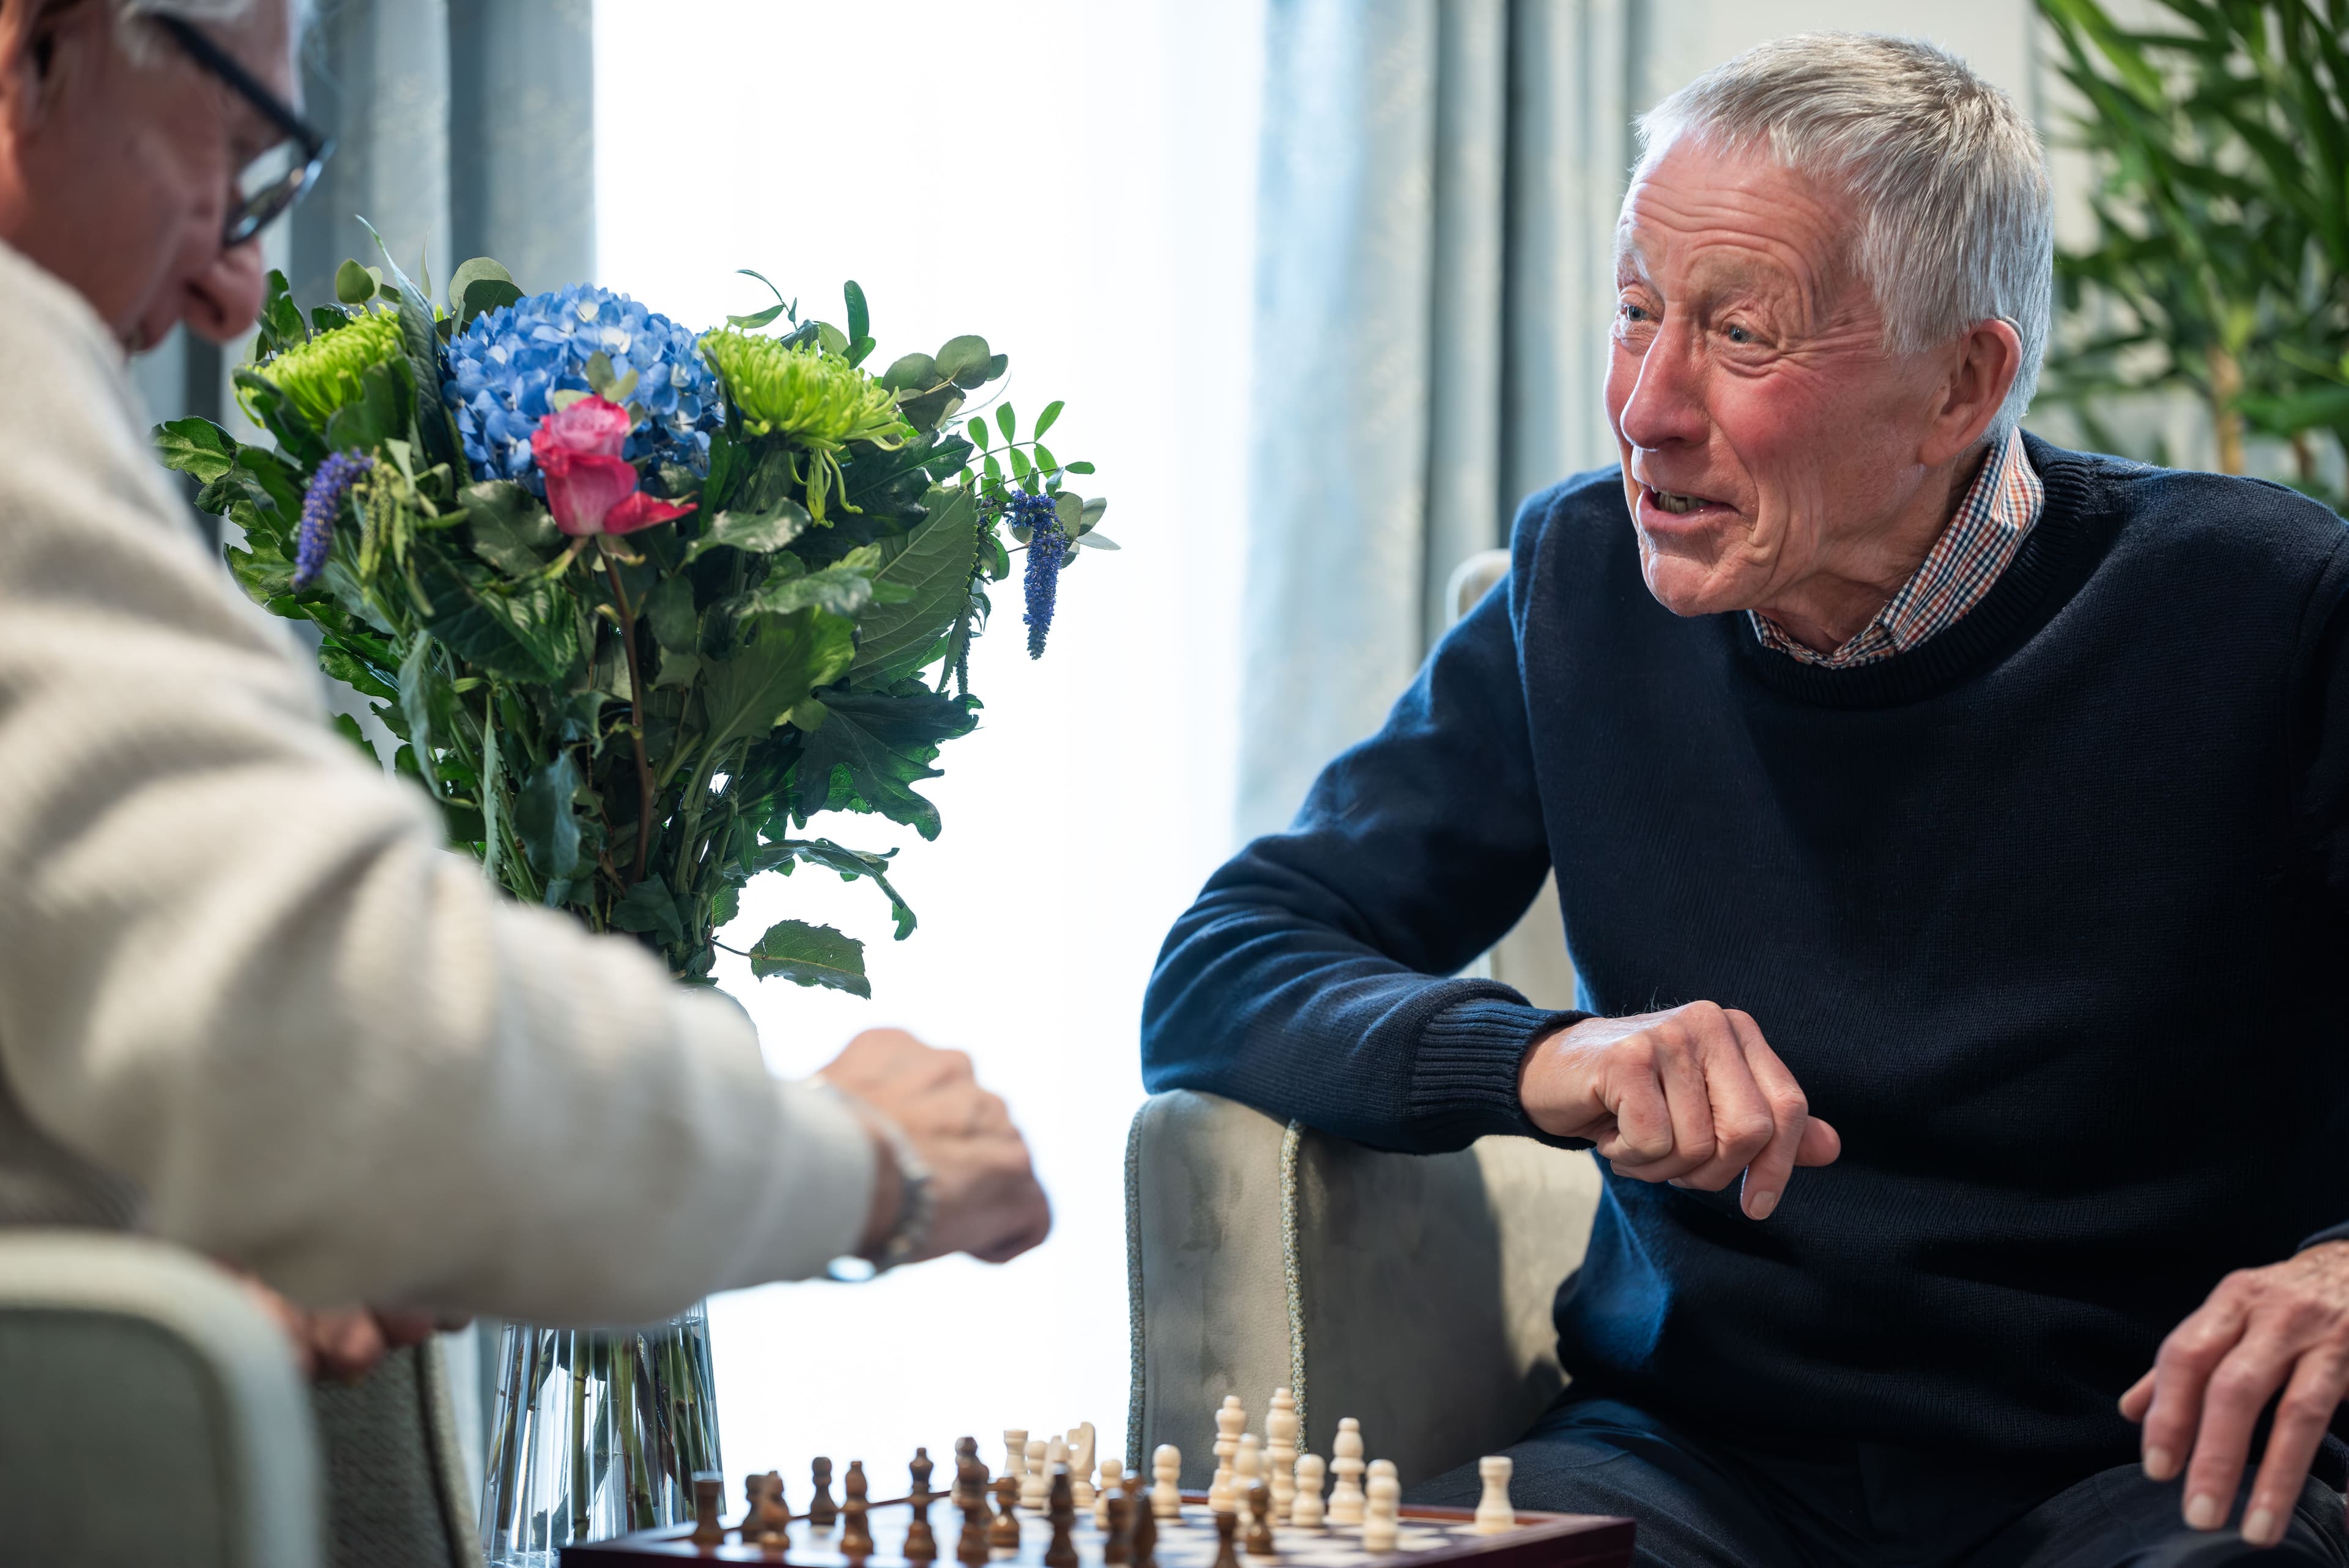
1953, 838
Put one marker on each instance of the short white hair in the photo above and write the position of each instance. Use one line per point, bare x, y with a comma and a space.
1956, 221
139, 41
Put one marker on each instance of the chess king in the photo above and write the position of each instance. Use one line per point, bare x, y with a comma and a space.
306, 1040
1953, 836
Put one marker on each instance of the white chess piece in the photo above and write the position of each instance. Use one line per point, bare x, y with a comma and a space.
1036, 1479
1280, 1432
1231, 1420
1166, 1469
1081, 1445
1346, 1497
1015, 1452
1248, 1465
1306, 1513
1493, 1513
1112, 1474
1383, 1518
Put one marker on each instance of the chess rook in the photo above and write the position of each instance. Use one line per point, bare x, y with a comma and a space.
1036, 1481
1306, 1510
1280, 1432
709, 1506
1166, 1469
1346, 1497
1493, 1513
822, 1509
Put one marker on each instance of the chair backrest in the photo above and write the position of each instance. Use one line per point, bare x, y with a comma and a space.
150, 1412
1413, 1293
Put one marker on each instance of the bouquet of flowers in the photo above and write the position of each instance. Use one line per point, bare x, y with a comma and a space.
637, 603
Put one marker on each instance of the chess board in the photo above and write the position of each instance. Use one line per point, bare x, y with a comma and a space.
1429, 1536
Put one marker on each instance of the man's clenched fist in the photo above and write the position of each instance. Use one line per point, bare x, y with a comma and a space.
1693, 1095
983, 1190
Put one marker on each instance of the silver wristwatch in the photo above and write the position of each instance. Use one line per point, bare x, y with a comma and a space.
916, 1203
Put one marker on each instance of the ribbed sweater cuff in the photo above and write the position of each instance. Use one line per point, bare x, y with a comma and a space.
1463, 1083
2337, 1233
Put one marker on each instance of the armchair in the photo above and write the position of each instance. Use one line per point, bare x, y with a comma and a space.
1412, 1292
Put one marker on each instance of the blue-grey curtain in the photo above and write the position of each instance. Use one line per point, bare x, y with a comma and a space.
1439, 185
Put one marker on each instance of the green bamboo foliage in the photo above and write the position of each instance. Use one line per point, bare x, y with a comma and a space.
2220, 141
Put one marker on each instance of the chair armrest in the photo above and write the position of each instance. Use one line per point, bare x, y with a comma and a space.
1413, 1293
150, 1412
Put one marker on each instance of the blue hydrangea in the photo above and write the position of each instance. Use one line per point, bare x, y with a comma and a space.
505, 363
1048, 547
320, 504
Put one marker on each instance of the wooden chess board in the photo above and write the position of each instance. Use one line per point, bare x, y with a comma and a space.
1429, 1536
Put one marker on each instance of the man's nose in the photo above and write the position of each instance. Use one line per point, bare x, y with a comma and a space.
225, 299
1667, 402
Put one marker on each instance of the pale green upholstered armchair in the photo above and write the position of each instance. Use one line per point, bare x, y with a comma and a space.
1412, 1292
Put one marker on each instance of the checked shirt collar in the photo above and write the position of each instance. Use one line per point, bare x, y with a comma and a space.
2000, 508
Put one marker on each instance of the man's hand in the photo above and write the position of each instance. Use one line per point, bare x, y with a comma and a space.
345, 1343
1693, 1095
986, 1201
2285, 1327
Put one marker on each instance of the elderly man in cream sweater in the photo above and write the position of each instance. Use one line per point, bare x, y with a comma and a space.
248, 1002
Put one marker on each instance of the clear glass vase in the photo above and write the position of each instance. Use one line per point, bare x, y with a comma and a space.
595, 1434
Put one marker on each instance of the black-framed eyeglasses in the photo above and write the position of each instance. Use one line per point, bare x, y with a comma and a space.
278, 179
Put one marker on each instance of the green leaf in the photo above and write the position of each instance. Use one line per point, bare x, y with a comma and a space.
978, 434
669, 610
480, 269
421, 337
1044, 420
911, 373
510, 529
526, 633
961, 357
356, 284
780, 661
196, 446
859, 318
483, 296
1045, 462
650, 906
812, 955
1006, 422
935, 563
375, 419
851, 864
1098, 542
420, 684
874, 749
349, 729
1078, 467
758, 319
1021, 466
844, 590
760, 533
280, 322
544, 819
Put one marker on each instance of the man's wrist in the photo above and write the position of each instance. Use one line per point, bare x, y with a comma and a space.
888, 1197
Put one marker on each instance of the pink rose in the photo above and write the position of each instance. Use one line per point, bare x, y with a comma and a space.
590, 487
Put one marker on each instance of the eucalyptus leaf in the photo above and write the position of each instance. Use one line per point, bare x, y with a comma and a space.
356, 284
960, 356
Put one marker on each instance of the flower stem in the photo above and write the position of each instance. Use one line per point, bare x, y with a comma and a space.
636, 720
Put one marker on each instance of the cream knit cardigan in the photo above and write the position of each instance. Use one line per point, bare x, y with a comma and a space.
248, 1002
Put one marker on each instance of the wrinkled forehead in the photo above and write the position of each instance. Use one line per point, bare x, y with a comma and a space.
1699, 216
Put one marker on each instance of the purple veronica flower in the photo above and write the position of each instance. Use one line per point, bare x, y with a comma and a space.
320, 504
1048, 547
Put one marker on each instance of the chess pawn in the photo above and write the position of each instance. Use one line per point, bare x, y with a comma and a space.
1227, 1524
1142, 1514
1003, 1533
970, 1493
1084, 1444
822, 1509
1280, 1432
1166, 1470
921, 1541
1382, 1517
855, 1529
1306, 1512
1062, 1502
1346, 1463
1015, 1452
1495, 1515
1258, 1495
1112, 1472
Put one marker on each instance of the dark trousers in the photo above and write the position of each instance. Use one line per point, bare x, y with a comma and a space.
1704, 1502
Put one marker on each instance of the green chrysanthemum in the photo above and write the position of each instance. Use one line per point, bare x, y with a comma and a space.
818, 402
327, 372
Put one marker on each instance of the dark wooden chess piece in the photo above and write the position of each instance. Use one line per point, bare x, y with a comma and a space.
1005, 1531
1061, 1508
921, 1544
1119, 1548
1143, 1550
1227, 1525
970, 1493
708, 1502
822, 1509
768, 1524
1259, 1506
856, 1529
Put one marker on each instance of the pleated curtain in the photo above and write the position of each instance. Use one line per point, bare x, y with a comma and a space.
1439, 185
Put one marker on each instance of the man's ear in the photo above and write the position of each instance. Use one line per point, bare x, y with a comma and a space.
1987, 358
30, 44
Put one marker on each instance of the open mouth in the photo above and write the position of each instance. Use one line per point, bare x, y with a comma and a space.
1677, 505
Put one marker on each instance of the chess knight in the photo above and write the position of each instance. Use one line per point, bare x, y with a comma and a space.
1952, 838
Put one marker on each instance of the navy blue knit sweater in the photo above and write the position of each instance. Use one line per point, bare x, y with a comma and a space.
2048, 916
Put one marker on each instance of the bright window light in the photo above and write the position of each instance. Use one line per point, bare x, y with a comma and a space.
1076, 182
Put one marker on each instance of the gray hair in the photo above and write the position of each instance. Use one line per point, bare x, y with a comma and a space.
1956, 219
139, 42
